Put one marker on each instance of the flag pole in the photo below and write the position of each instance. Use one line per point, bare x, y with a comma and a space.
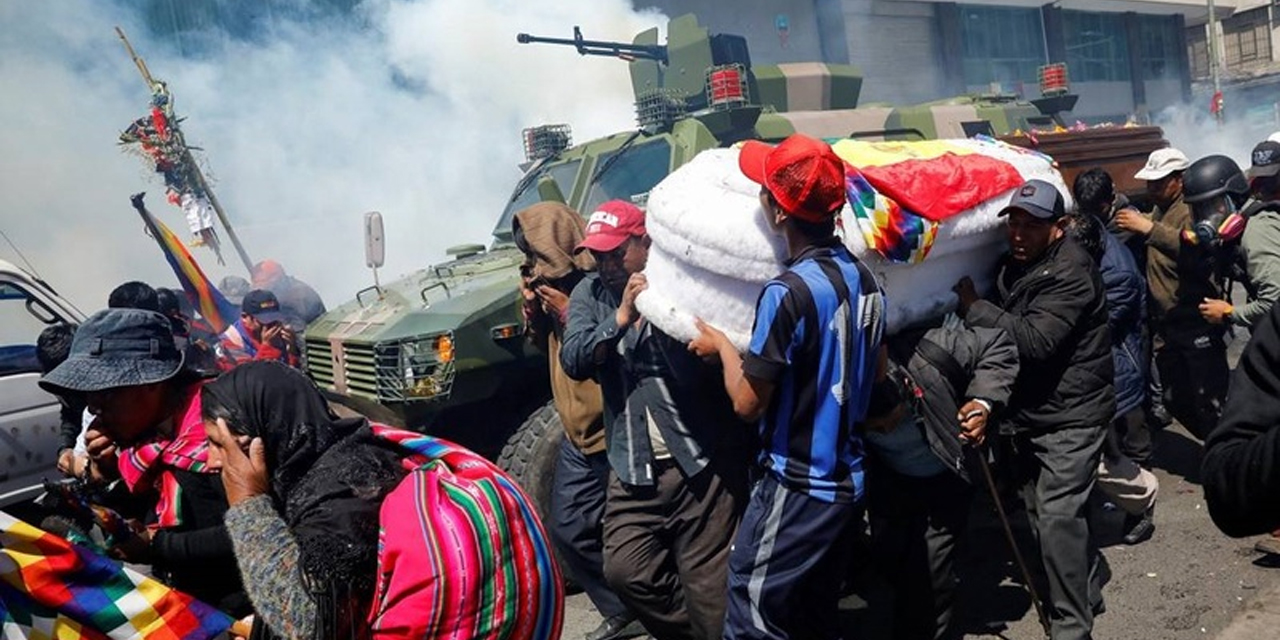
190, 159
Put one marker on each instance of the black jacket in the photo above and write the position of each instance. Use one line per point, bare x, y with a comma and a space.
988, 359
1055, 309
1241, 468
197, 557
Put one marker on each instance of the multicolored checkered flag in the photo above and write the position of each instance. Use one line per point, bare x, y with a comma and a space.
51, 589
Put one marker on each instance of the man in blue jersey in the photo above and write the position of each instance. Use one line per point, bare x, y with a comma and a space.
807, 377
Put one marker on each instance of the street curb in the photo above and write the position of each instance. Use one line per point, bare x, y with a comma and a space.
1260, 618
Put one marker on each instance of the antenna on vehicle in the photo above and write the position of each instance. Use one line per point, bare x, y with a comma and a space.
30, 267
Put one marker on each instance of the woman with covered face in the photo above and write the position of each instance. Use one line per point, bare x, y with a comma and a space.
347, 529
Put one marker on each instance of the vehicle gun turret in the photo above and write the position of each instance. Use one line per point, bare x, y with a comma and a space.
620, 50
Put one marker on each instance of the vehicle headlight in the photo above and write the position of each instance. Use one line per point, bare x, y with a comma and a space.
426, 365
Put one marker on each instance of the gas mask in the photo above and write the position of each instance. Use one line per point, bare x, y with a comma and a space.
1218, 222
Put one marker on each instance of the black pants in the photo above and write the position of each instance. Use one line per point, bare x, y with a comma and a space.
1056, 472
1133, 436
666, 547
786, 566
577, 511
916, 524
1195, 383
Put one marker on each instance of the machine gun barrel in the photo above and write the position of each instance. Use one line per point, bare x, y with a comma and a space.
621, 50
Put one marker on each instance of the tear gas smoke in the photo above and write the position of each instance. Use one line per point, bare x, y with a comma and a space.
1195, 132
410, 108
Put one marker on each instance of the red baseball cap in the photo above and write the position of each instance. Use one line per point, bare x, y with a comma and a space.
804, 175
611, 224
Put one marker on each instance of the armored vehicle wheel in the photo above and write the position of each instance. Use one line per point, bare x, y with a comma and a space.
530, 458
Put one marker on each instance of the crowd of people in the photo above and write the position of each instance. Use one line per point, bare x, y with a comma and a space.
246, 491
1105, 324
702, 491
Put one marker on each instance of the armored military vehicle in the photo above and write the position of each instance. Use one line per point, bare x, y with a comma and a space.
443, 349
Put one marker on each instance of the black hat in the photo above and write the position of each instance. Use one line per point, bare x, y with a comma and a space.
1266, 159
117, 348
1039, 199
263, 306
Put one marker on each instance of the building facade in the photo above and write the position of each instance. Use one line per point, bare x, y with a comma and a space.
1248, 61
1126, 58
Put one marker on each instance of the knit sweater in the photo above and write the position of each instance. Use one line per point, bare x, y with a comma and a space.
268, 557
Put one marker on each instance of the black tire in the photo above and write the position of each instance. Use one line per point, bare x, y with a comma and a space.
529, 457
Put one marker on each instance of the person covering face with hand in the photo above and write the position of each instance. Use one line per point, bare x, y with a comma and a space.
260, 334
347, 529
147, 432
676, 451
547, 233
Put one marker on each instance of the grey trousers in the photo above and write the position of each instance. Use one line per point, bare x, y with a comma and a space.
666, 548
1056, 472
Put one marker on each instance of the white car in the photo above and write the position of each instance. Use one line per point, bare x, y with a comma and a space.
29, 417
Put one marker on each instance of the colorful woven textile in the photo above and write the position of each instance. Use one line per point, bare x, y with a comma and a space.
462, 554
895, 233
51, 589
147, 464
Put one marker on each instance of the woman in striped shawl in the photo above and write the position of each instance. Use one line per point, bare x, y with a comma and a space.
347, 529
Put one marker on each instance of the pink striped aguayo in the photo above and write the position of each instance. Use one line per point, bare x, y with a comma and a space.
462, 554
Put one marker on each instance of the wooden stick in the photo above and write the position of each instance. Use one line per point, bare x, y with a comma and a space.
190, 159
137, 60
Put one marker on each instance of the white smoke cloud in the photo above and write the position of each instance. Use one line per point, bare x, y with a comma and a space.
413, 109
1193, 130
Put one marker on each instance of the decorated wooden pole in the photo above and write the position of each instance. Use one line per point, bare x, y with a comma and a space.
188, 159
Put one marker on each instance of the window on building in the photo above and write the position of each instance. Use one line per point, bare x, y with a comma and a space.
1246, 38
1158, 47
1001, 44
1097, 49
1198, 51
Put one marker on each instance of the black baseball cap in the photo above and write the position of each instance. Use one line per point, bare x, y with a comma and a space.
1039, 199
1265, 159
263, 306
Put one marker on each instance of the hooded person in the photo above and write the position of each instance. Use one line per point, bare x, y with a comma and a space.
347, 529
547, 233
148, 433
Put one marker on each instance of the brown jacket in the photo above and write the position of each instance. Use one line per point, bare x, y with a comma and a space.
579, 404
551, 231
1175, 274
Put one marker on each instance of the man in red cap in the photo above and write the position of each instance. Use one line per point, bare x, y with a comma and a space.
678, 456
807, 376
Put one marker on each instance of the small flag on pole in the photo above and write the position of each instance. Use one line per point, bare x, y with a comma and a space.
219, 312
51, 589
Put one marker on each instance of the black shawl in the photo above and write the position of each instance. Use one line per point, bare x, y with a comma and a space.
328, 477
